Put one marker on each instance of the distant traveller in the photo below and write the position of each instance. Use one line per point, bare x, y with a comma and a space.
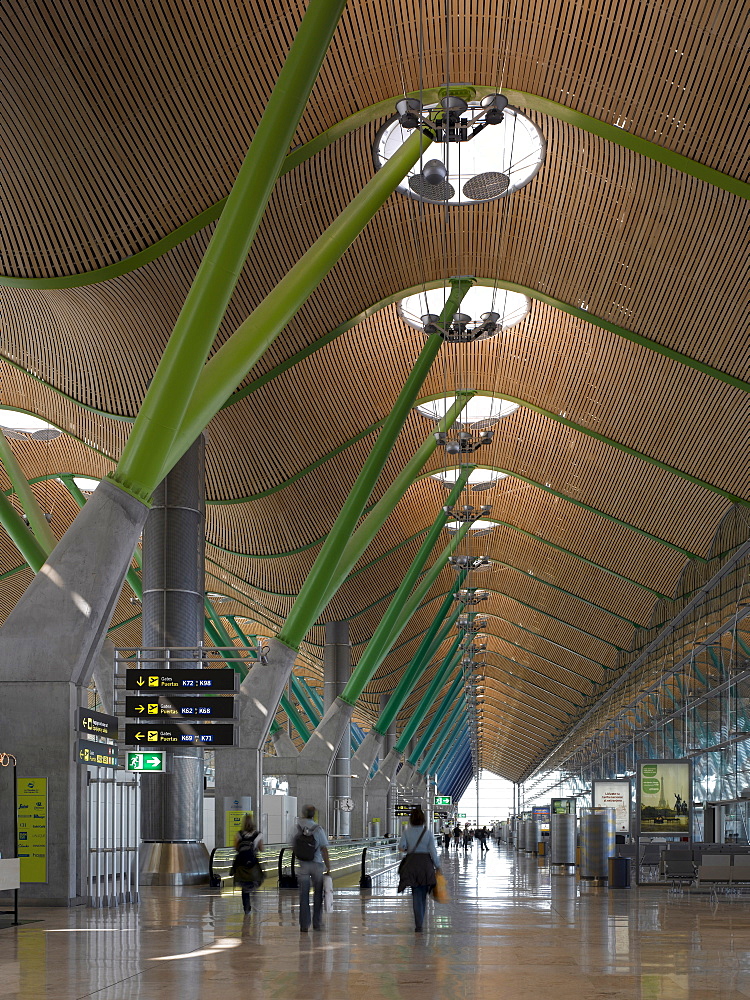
247, 871
420, 865
310, 846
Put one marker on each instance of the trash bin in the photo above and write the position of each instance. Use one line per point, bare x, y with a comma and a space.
619, 873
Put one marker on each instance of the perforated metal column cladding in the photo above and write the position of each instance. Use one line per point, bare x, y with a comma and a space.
173, 586
597, 842
337, 668
563, 838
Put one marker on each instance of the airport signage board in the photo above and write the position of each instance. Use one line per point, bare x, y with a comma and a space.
31, 845
442, 800
664, 793
185, 681
97, 724
179, 707
97, 754
540, 813
614, 794
217, 734
151, 761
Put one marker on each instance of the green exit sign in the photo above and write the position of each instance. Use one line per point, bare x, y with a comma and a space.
442, 800
462, 815
153, 761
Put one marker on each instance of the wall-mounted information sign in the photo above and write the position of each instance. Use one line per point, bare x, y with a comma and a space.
664, 795
614, 795
540, 813
96, 754
561, 807
217, 734
197, 681
151, 761
179, 707
462, 815
97, 724
32, 828
442, 800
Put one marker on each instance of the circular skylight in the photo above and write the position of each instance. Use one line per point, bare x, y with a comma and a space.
477, 477
497, 161
494, 309
22, 426
479, 412
476, 527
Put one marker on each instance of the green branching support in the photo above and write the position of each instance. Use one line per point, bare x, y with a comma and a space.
165, 408
22, 537
431, 641
34, 513
328, 571
444, 739
295, 718
427, 699
230, 363
388, 629
437, 718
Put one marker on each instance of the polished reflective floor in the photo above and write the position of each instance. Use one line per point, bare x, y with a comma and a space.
512, 931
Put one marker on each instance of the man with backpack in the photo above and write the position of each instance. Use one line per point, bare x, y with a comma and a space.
310, 847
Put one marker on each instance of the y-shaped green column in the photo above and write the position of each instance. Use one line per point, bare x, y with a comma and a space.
165, 407
437, 718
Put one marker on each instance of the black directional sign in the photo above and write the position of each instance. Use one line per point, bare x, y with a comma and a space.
98, 754
217, 734
182, 681
97, 724
177, 707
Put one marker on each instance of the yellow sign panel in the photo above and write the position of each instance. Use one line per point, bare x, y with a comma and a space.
32, 828
232, 825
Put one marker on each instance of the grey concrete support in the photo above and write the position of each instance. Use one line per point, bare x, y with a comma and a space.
172, 618
49, 647
377, 788
337, 668
103, 676
284, 744
239, 770
362, 761
388, 745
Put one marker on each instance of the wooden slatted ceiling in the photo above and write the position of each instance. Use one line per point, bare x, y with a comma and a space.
599, 225
150, 83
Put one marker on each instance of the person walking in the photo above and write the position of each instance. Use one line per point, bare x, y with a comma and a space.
310, 846
420, 865
457, 835
248, 843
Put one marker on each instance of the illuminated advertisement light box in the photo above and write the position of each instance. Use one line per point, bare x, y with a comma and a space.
664, 795
540, 813
561, 807
614, 795
32, 828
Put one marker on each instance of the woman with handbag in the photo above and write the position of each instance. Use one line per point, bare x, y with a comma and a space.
419, 866
246, 868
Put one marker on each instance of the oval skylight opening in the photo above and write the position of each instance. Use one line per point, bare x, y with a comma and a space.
480, 525
20, 426
477, 477
492, 309
479, 412
494, 163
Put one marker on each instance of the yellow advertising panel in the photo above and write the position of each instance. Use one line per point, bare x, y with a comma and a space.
32, 828
232, 825
664, 796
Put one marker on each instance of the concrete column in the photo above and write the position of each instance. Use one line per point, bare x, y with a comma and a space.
173, 615
388, 745
337, 668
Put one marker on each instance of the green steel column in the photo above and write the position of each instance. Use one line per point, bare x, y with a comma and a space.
301, 695
433, 638
437, 718
165, 407
230, 364
295, 718
326, 570
448, 745
404, 687
365, 669
385, 633
380, 512
444, 737
426, 702
30, 504
22, 537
